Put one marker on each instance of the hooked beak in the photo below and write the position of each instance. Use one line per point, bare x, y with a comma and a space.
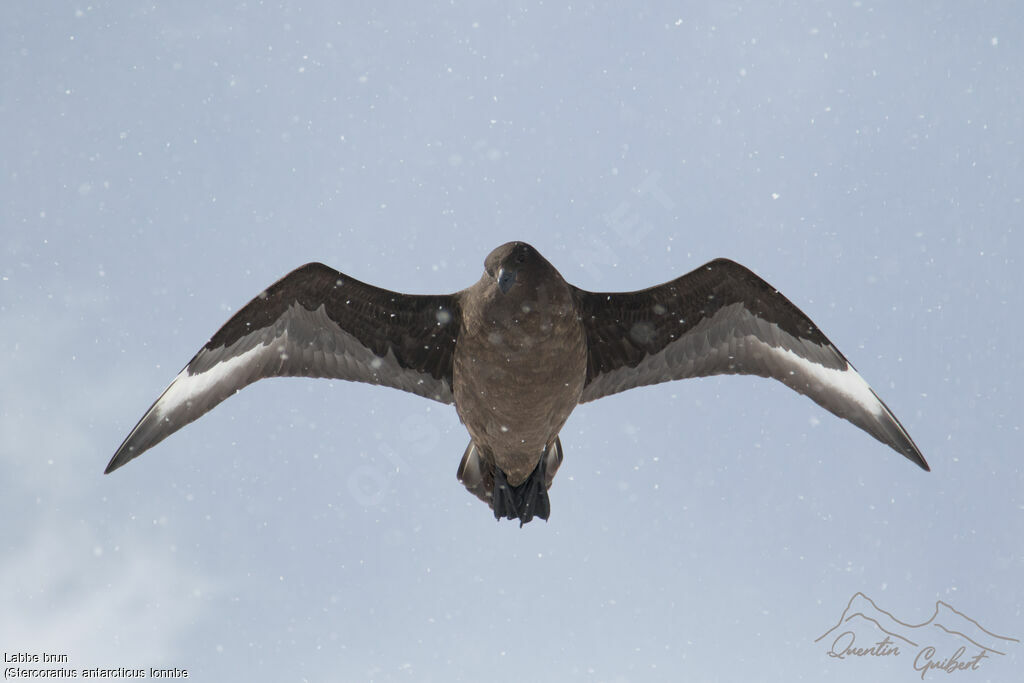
506, 278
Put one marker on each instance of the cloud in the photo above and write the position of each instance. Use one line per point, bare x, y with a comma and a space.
78, 580
67, 593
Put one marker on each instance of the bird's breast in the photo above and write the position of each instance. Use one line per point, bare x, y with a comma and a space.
516, 381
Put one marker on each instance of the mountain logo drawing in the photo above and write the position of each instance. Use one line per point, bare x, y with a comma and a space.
949, 641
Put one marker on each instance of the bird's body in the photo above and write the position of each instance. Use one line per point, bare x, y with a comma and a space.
520, 365
516, 353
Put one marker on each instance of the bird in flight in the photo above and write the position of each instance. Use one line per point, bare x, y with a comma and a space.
516, 353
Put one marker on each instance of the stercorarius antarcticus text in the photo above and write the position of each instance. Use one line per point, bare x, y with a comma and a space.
516, 353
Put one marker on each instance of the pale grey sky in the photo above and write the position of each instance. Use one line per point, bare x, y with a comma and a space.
161, 163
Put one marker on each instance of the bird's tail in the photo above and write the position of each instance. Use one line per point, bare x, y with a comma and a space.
529, 499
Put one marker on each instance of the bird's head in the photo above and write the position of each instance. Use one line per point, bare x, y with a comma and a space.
518, 266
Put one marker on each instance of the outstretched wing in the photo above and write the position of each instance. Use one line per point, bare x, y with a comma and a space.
723, 319
313, 322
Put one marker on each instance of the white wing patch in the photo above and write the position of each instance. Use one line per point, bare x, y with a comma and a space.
842, 384
186, 387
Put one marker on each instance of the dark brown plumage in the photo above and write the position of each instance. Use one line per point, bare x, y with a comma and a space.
516, 353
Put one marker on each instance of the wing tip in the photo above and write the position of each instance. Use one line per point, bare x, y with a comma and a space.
125, 454
920, 462
906, 447
117, 461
